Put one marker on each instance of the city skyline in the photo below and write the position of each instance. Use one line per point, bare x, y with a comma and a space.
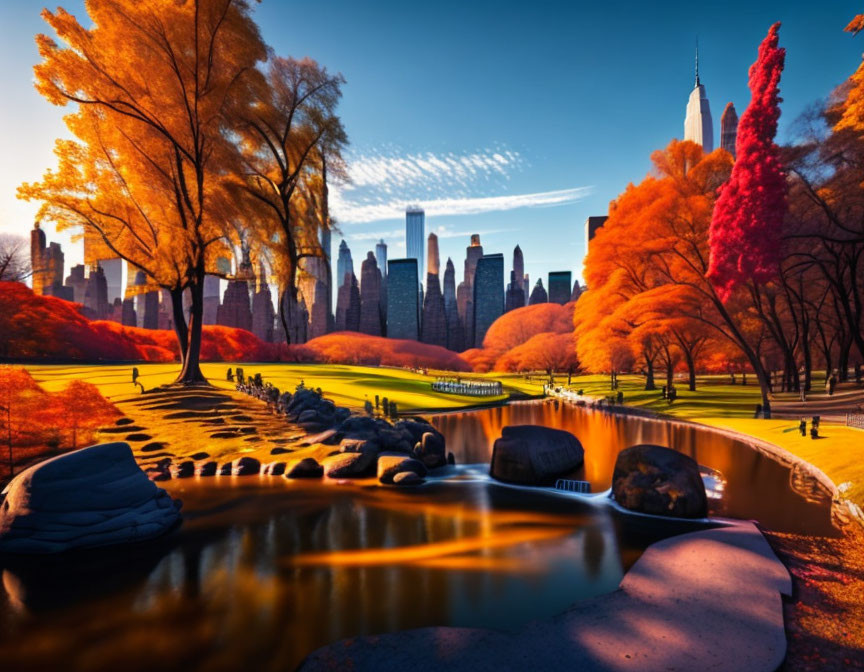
480, 177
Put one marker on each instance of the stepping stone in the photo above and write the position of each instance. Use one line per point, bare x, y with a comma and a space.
124, 421
153, 445
200, 456
138, 437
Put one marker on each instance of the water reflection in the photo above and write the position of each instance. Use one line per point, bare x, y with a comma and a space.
757, 487
265, 570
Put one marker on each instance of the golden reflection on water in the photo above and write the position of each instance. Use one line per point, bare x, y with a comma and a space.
265, 570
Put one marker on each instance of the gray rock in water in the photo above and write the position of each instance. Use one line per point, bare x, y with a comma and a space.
96, 496
658, 480
389, 465
407, 478
431, 450
308, 467
350, 465
534, 455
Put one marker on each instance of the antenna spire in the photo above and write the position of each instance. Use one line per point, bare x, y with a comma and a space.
697, 61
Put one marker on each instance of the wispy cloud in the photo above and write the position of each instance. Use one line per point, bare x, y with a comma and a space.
384, 183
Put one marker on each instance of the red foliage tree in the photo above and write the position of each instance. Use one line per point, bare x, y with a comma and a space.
348, 347
549, 352
80, 408
748, 216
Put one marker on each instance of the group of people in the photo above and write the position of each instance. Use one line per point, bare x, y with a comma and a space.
814, 427
472, 388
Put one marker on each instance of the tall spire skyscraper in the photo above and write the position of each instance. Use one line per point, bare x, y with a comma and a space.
698, 126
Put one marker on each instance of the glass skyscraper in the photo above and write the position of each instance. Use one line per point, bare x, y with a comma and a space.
415, 238
403, 299
560, 287
488, 294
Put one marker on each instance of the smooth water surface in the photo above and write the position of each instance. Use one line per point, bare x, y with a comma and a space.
265, 570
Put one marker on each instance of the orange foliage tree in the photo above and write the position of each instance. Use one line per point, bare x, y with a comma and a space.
157, 85
550, 352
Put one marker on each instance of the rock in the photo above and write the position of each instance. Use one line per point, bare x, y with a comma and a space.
208, 469
185, 469
151, 447
308, 467
407, 478
327, 437
658, 480
274, 468
279, 451
96, 496
391, 464
534, 455
245, 466
359, 446
431, 451
350, 465
415, 428
360, 427
200, 456
226, 469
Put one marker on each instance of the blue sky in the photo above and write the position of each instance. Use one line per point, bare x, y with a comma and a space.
513, 120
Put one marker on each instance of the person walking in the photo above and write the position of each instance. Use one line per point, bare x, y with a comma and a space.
802, 427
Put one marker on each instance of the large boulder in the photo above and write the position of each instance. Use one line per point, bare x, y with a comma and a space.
350, 465
534, 455
658, 480
391, 464
96, 496
245, 466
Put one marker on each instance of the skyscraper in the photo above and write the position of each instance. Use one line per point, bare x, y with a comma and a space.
455, 330
698, 126
465, 290
488, 294
592, 225
538, 294
381, 257
370, 297
729, 128
402, 299
344, 264
519, 269
415, 226
559, 287
434, 323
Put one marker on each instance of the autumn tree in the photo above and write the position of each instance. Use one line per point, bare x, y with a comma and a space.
79, 407
292, 141
22, 403
549, 352
747, 222
158, 86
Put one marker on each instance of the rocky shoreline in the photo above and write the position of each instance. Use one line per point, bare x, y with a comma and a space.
400, 452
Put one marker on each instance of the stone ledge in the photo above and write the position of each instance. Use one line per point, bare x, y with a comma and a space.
703, 600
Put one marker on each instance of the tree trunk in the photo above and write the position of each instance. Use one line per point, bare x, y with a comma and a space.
191, 374
691, 369
649, 374
181, 330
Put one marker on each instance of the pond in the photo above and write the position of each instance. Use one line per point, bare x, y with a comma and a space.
265, 570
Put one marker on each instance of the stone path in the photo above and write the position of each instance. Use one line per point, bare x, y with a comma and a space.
708, 600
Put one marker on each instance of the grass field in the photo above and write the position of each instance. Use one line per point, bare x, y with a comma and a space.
346, 385
839, 454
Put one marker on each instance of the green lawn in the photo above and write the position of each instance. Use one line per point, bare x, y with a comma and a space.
345, 385
840, 455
